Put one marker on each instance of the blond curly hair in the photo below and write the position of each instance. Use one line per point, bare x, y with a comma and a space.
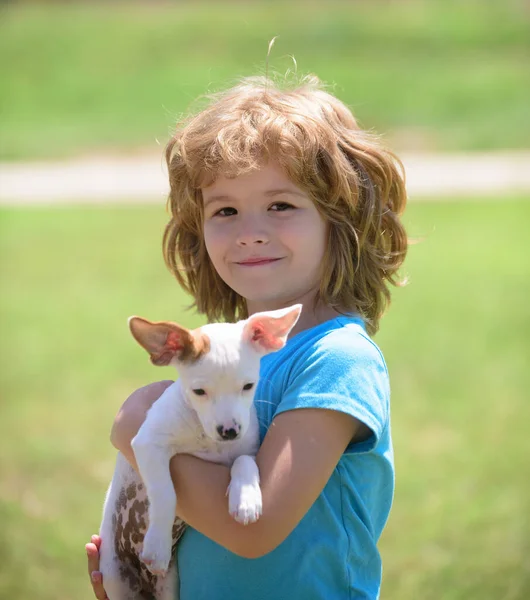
356, 184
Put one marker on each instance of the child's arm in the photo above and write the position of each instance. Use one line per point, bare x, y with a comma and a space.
296, 459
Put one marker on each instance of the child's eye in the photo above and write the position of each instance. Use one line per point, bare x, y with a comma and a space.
199, 392
281, 206
248, 386
227, 211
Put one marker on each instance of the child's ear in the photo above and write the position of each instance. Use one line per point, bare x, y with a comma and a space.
268, 331
165, 341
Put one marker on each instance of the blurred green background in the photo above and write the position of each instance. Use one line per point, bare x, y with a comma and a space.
433, 74
83, 79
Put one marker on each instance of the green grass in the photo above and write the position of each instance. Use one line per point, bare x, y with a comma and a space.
431, 74
457, 346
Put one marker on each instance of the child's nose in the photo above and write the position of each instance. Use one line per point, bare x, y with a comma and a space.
252, 232
248, 241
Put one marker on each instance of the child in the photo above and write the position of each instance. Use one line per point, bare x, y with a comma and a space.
278, 197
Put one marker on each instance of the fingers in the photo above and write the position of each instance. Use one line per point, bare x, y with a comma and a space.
96, 578
92, 551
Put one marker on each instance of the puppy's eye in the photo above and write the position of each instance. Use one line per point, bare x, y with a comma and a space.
199, 392
248, 386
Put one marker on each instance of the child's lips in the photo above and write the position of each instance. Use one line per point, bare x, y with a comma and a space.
257, 261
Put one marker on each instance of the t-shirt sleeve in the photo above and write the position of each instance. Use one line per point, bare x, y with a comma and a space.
344, 371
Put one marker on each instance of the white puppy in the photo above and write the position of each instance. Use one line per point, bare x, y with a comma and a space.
208, 412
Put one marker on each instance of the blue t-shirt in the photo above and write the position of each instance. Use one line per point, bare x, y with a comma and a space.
332, 553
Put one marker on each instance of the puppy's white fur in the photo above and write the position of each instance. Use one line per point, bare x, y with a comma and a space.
208, 412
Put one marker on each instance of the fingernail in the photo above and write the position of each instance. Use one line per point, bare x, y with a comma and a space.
95, 576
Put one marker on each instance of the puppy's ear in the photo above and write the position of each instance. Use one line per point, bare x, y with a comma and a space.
165, 341
268, 331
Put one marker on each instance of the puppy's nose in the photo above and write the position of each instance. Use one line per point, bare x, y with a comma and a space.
228, 433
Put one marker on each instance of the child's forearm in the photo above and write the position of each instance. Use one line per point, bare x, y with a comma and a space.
202, 502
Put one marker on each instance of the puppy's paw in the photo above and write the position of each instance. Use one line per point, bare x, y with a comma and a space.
244, 502
156, 553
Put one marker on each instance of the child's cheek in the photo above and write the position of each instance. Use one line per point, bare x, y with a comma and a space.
214, 240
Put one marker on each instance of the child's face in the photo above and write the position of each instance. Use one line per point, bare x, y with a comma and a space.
265, 238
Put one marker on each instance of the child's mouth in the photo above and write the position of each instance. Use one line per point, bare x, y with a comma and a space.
256, 262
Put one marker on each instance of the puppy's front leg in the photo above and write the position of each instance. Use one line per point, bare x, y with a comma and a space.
153, 464
244, 493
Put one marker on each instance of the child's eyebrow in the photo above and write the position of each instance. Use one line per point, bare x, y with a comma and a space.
267, 193
290, 191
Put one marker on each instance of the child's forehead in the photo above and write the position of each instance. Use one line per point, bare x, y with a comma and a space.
267, 178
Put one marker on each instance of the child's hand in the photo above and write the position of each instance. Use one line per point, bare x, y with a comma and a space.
96, 578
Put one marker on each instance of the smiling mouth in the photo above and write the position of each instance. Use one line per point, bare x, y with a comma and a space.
256, 262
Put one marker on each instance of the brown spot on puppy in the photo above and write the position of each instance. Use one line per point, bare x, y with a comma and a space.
131, 492
199, 346
129, 522
165, 340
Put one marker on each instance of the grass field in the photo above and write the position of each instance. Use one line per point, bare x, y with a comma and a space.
457, 346
431, 74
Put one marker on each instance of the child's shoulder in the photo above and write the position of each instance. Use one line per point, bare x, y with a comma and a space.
335, 366
342, 339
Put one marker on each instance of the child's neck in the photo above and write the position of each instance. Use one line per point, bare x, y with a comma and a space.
311, 316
